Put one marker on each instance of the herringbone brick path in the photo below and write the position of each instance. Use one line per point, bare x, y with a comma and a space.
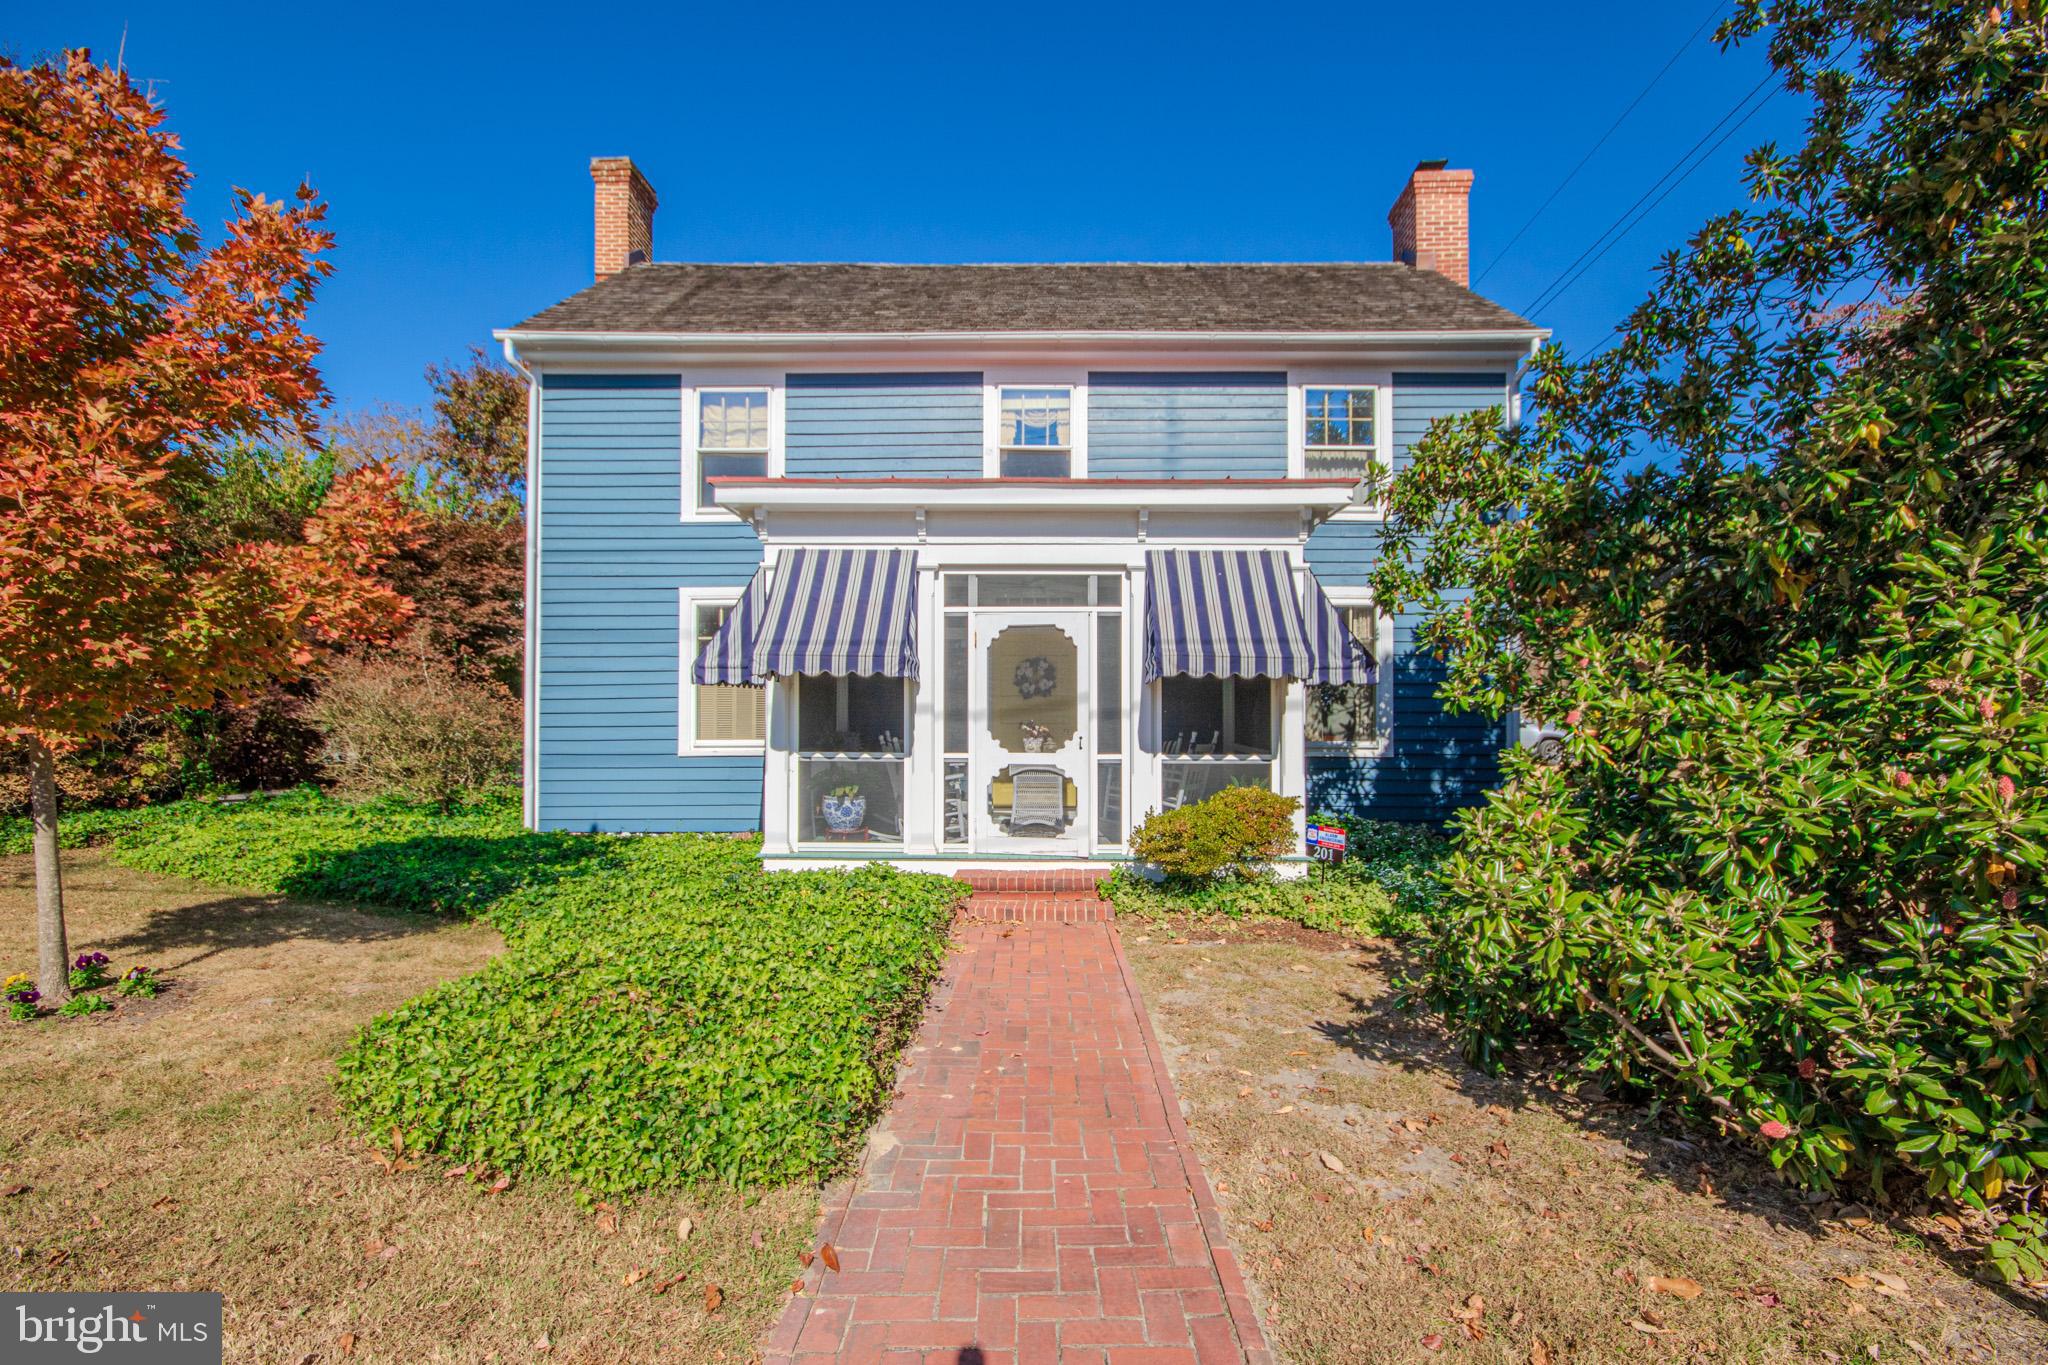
1031, 1194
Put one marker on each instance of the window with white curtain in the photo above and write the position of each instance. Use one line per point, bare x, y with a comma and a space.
1339, 430
1035, 439
732, 437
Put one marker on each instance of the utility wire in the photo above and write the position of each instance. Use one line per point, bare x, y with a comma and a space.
1572, 174
1630, 216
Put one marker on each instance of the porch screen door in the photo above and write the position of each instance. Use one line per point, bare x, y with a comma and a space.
1031, 703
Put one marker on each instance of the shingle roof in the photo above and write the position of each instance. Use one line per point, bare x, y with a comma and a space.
1371, 296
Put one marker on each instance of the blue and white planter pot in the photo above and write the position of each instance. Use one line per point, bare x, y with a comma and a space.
844, 813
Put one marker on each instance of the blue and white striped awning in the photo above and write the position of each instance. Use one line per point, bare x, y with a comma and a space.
840, 612
1339, 657
728, 656
1223, 614
819, 612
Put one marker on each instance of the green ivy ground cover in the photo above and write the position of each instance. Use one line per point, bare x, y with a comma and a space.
665, 1011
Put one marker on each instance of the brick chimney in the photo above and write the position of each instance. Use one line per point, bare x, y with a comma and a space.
625, 214
1431, 231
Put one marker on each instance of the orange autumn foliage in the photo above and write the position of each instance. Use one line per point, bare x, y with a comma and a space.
127, 352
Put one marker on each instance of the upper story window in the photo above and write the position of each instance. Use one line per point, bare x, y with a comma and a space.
1340, 431
1035, 438
732, 436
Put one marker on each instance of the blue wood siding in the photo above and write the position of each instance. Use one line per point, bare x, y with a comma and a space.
882, 425
1420, 399
1187, 426
613, 551
1437, 762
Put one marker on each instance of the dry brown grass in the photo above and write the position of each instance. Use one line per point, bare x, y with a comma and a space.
193, 1142
1555, 1211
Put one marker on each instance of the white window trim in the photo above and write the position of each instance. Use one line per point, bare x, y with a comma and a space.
1381, 382
687, 743
1344, 599
993, 382
695, 383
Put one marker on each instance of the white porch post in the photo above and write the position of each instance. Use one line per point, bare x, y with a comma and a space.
778, 777
922, 767
1141, 768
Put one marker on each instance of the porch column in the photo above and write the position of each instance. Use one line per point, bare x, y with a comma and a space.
922, 767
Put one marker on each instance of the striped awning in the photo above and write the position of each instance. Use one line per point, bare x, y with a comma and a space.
728, 656
840, 612
1223, 614
1339, 657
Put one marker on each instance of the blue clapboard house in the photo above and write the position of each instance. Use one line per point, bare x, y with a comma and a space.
962, 565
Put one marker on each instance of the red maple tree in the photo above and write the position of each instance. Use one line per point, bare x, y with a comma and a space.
127, 353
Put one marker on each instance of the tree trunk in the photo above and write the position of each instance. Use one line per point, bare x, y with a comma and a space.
53, 953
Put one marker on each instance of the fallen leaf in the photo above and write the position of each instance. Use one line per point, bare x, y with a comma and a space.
1433, 1342
347, 1344
454, 1172
1949, 1221
607, 1219
684, 1227
501, 1184
1888, 1284
804, 1259
830, 1256
1242, 1091
1648, 1328
713, 1297
1499, 1149
796, 1286
757, 1241
165, 1203
1539, 1353
542, 1345
634, 1277
397, 1141
1855, 1281
671, 1282
1284, 1109
1677, 1286
1299, 967
1330, 1162
12, 1190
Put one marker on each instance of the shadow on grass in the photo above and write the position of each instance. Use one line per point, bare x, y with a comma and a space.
444, 874
1660, 1145
201, 930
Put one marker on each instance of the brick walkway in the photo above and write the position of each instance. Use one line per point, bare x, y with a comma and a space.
1031, 1195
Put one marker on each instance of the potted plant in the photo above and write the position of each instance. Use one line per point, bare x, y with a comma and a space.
845, 809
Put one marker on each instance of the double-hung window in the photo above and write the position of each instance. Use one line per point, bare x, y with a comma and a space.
1035, 438
1340, 430
717, 717
732, 437
1355, 717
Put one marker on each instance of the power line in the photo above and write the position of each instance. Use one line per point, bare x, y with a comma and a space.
1572, 174
1630, 216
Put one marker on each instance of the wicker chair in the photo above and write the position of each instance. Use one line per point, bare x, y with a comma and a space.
1038, 800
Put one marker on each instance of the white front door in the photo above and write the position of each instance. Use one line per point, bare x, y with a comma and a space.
1031, 699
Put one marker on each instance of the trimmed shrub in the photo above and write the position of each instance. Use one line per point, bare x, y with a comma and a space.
1234, 835
683, 1017
415, 728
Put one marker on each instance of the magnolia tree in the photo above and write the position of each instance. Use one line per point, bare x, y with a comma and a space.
127, 353
1779, 558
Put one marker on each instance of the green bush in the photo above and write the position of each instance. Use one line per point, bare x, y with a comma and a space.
1384, 887
1234, 835
684, 1016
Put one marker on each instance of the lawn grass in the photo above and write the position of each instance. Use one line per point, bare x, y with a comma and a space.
196, 1142
1555, 1210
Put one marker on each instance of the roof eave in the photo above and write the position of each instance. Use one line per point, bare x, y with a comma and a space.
540, 346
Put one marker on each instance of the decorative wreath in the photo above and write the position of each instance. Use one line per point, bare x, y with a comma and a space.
1036, 677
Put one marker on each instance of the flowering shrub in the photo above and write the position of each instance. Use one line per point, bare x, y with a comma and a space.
21, 996
89, 971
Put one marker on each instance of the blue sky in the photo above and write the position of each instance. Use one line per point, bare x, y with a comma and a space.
453, 146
